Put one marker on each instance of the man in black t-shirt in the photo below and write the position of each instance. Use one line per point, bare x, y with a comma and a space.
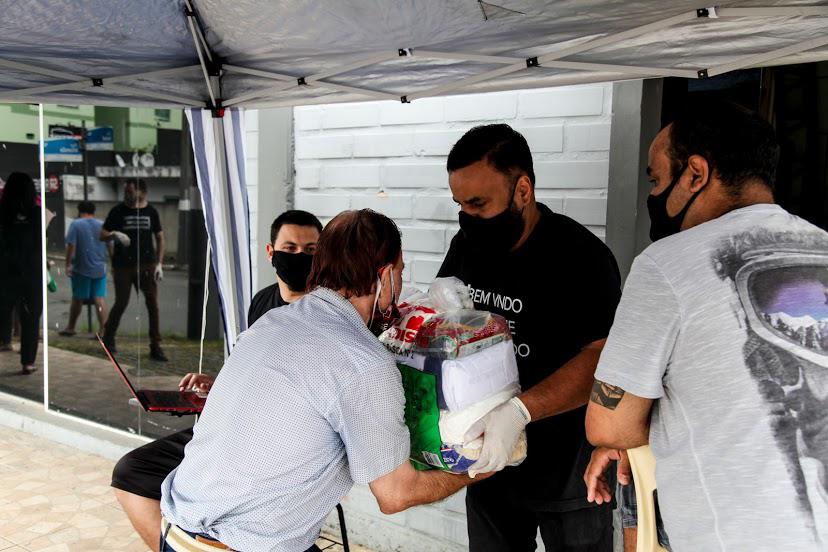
138, 475
558, 285
135, 227
293, 237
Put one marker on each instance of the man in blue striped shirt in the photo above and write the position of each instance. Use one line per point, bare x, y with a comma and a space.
308, 403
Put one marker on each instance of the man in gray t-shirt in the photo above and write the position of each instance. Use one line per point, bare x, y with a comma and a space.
719, 349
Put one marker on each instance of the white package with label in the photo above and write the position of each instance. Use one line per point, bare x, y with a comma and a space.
473, 378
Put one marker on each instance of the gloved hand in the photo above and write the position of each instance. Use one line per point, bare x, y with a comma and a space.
503, 426
159, 272
121, 237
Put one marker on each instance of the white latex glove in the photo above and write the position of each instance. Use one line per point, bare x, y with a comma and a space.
121, 237
159, 272
503, 427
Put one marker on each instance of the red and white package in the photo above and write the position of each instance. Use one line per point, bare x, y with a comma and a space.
399, 338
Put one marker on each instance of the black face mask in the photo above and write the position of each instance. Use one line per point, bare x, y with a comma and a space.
293, 269
498, 234
661, 223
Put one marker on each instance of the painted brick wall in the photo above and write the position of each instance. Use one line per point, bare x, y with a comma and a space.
346, 154
251, 163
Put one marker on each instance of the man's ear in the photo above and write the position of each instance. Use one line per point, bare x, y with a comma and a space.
523, 191
699, 170
269, 250
386, 279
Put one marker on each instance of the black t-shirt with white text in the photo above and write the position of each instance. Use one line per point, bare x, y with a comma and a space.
141, 225
559, 291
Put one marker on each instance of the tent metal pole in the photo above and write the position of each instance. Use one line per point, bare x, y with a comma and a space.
132, 91
258, 73
488, 75
315, 79
576, 49
81, 83
619, 37
760, 59
624, 69
200, 34
23, 92
342, 69
259, 93
158, 73
204, 70
37, 70
462, 56
378, 94
792, 11
577, 65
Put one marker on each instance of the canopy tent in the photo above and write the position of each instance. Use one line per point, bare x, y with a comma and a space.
191, 53
214, 54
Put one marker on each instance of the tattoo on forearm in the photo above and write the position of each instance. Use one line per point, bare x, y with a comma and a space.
606, 395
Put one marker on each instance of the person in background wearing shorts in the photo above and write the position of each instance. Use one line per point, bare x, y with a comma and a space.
86, 257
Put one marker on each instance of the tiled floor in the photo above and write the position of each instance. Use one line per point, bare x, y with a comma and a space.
55, 498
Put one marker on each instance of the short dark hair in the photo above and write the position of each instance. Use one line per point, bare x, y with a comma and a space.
297, 217
19, 197
352, 249
140, 184
737, 143
500, 145
86, 208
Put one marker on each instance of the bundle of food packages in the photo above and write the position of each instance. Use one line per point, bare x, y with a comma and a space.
457, 365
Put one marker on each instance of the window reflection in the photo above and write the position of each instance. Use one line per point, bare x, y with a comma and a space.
21, 283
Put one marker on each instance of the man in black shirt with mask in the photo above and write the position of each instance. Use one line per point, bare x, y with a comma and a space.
558, 285
293, 237
137, 476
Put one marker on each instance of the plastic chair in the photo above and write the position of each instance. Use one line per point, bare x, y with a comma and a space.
642, 465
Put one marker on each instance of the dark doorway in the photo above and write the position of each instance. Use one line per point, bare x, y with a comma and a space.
794, 98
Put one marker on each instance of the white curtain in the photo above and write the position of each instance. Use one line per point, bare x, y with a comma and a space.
219, 159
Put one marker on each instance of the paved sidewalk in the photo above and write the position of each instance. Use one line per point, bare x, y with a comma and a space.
54, 498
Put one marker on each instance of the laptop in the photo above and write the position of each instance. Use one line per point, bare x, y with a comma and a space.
151, 400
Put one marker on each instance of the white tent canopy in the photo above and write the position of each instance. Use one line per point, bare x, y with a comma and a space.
197, 53
218, 54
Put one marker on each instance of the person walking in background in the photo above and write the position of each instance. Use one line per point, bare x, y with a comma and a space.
21, 271
86, 257
135, 227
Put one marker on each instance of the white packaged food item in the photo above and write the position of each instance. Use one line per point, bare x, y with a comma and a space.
469, 379
449, 294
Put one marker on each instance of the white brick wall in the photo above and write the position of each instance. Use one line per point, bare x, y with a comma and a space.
347, 153
251, 154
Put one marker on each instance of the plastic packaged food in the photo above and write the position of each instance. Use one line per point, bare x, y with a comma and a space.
444, 439
457, 365
460, 333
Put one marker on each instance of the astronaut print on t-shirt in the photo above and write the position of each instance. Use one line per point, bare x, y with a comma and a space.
781, 280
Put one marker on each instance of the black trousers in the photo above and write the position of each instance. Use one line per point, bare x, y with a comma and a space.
125, 278
497, 523
28, 298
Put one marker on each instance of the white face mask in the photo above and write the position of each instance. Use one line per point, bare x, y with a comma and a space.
382, 320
